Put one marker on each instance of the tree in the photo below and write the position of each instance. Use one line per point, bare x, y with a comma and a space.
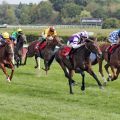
110, 23
7, 14
85, 14
99, 13
70, 10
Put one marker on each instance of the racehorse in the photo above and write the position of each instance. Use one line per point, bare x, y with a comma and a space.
7, 58
47, 52
21, 39
113, 62
79, 62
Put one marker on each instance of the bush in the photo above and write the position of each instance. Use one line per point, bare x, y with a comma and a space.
110, 23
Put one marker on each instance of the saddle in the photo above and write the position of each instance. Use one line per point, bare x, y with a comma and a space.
42, 45
39, 46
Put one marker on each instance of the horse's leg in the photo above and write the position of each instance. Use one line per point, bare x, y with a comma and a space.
50, 61
67, 75
71, 75
20, 60
5, 72
36, 56
25, 59
109, 75
90, 71
12, 71
78, 70
116, 76
101, 71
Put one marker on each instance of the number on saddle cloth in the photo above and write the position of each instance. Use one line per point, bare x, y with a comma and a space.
65, 51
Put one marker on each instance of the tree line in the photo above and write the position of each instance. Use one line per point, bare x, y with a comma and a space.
61, 12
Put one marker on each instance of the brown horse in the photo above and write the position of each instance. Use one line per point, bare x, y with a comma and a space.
7, 58
113, 62
21, 39
79, 62
47, 53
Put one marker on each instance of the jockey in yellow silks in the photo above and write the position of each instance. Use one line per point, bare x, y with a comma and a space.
49, 32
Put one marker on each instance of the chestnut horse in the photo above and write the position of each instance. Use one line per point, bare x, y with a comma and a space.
47, 53
113, 62
7, 58
79, 62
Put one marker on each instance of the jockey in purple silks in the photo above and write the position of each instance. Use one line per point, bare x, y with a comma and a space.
77, 40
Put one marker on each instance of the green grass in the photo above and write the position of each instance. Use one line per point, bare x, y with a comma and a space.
33, 96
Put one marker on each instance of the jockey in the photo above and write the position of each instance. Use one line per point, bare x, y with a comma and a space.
77, 40
16, 33
4, 37
49, 32
114, 37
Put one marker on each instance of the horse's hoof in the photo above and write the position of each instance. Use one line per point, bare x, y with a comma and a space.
105, 83
8, 79
82, 88
101, 87
71, 93
73, 83
35, 67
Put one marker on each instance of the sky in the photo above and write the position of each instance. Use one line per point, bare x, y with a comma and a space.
22, 1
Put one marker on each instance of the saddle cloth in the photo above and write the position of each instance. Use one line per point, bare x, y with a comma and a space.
65, 51
112, 48
41, 46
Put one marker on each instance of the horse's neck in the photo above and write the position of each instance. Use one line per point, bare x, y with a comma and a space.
83, 51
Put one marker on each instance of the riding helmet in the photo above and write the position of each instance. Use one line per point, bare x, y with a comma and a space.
84, 34
5, 35
52, 28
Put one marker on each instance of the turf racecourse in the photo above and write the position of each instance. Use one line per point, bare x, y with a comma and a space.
38, 97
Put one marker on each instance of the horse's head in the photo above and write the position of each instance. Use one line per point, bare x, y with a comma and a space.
92, 46
21, 38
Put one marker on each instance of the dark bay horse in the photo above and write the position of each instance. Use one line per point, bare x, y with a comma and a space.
21, 39
80, 62
7, 58
47, 53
